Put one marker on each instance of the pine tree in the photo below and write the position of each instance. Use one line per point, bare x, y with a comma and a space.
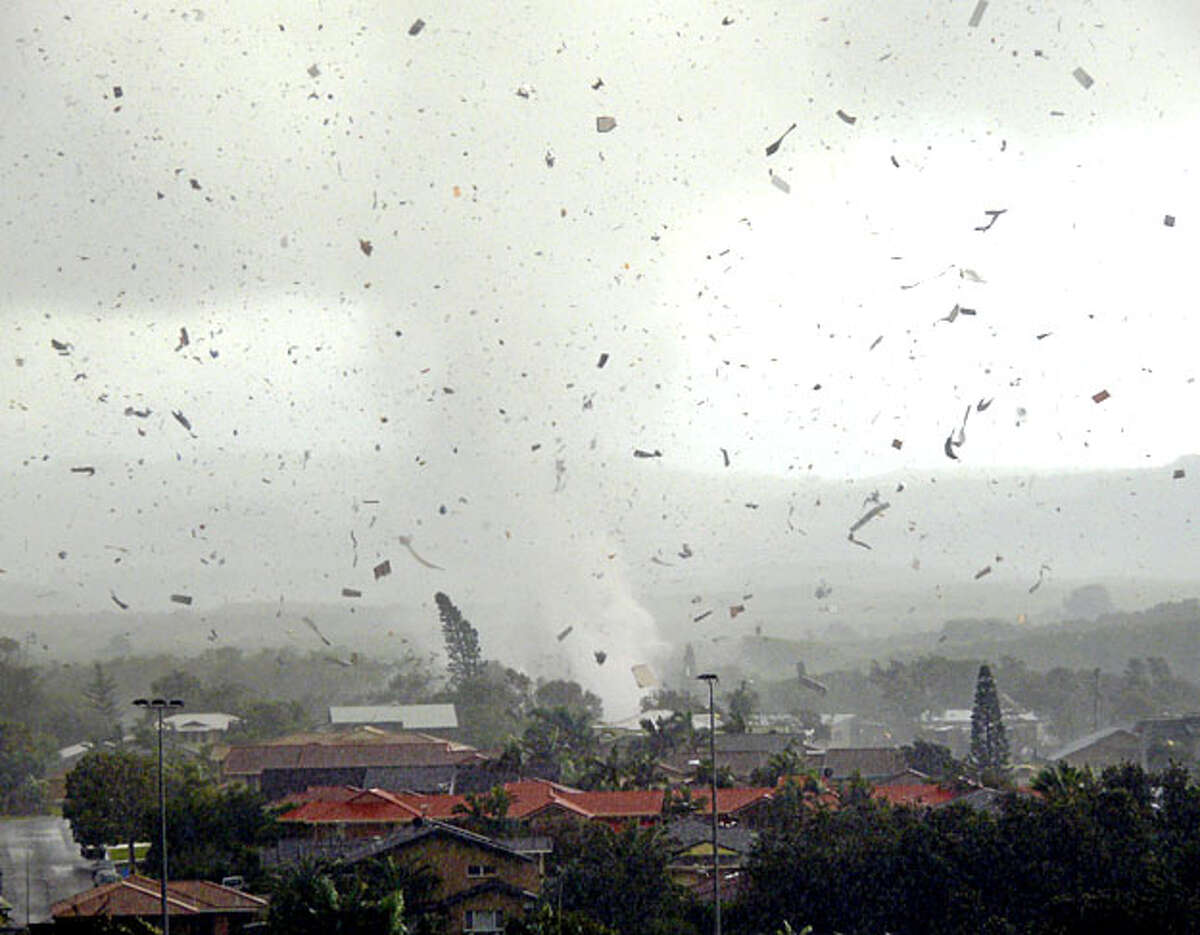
462, 642
100, 694
989, 742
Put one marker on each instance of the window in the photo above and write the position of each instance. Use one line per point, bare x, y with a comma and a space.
481, 870
484, 920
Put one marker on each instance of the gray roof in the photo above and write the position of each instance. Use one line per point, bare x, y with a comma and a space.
758, 743
412, 716
687, 831
428, 828
869, 762
1082, 743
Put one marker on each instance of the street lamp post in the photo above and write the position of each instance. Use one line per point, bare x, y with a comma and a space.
711, 679
159, 705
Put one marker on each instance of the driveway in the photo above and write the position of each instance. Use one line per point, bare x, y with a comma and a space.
55, 869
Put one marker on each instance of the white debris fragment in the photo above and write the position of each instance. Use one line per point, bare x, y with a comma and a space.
605, 124
1083, 78
977, 16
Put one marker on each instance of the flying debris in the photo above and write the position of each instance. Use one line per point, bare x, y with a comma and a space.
955, 312
1100, 397
181, 419
212, 636
351, 592
312, 626
1177, 474
1083, 78
897, 443
366, 247
774, 147
1168, 220
875, 343
116, 600
868, 516
659, 561
641, 453
725, 455
406, 541
605, 124
86, 469
977, 15
383, 569
63, 348
183, 339
735, 609
1037, 584
602, 361
982, 405
181, 599
644, 676
809, 682
416, 27
985, 570
700, 617
846, 118
964, 273
685, 552
781, 183
600, 655
565, 633
992, 215
824, 589
140, 413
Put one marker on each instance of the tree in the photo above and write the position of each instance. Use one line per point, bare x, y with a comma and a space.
462, 642
989, 743
213, 831
932, 759
21, 766
742, 704
314, 898
262, 720
111, 799
485, 813
491, 705
100, 695
618, 878
558, 742
568, 694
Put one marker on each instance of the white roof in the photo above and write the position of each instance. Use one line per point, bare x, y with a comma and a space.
410, 716
634, 722
195, 723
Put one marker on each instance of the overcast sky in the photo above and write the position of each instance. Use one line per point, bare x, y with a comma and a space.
399, 258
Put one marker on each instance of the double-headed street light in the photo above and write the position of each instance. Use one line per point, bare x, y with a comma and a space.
160, 705
711, 679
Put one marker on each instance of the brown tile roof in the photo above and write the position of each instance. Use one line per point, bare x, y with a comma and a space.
346, 749
140, 896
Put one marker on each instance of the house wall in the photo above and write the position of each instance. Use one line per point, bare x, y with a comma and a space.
450, 858
511, 906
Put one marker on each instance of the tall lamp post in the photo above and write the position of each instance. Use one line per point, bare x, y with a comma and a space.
159, 705
711, 679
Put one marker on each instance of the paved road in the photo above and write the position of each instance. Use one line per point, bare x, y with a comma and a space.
55, 868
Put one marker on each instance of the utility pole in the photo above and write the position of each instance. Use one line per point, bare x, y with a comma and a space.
1096, 700
711, 679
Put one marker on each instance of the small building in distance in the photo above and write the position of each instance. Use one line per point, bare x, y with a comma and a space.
200, 728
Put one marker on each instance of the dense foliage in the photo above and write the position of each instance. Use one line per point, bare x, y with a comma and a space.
1114, 853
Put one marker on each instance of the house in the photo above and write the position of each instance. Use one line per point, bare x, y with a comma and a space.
408, 760
396, 717
922, 795
952, 729
1109, 746
690, 840
481, 882
196, 907
200, 728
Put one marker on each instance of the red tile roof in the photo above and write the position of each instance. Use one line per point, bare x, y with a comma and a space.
140, 896
528, 797
915, 794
